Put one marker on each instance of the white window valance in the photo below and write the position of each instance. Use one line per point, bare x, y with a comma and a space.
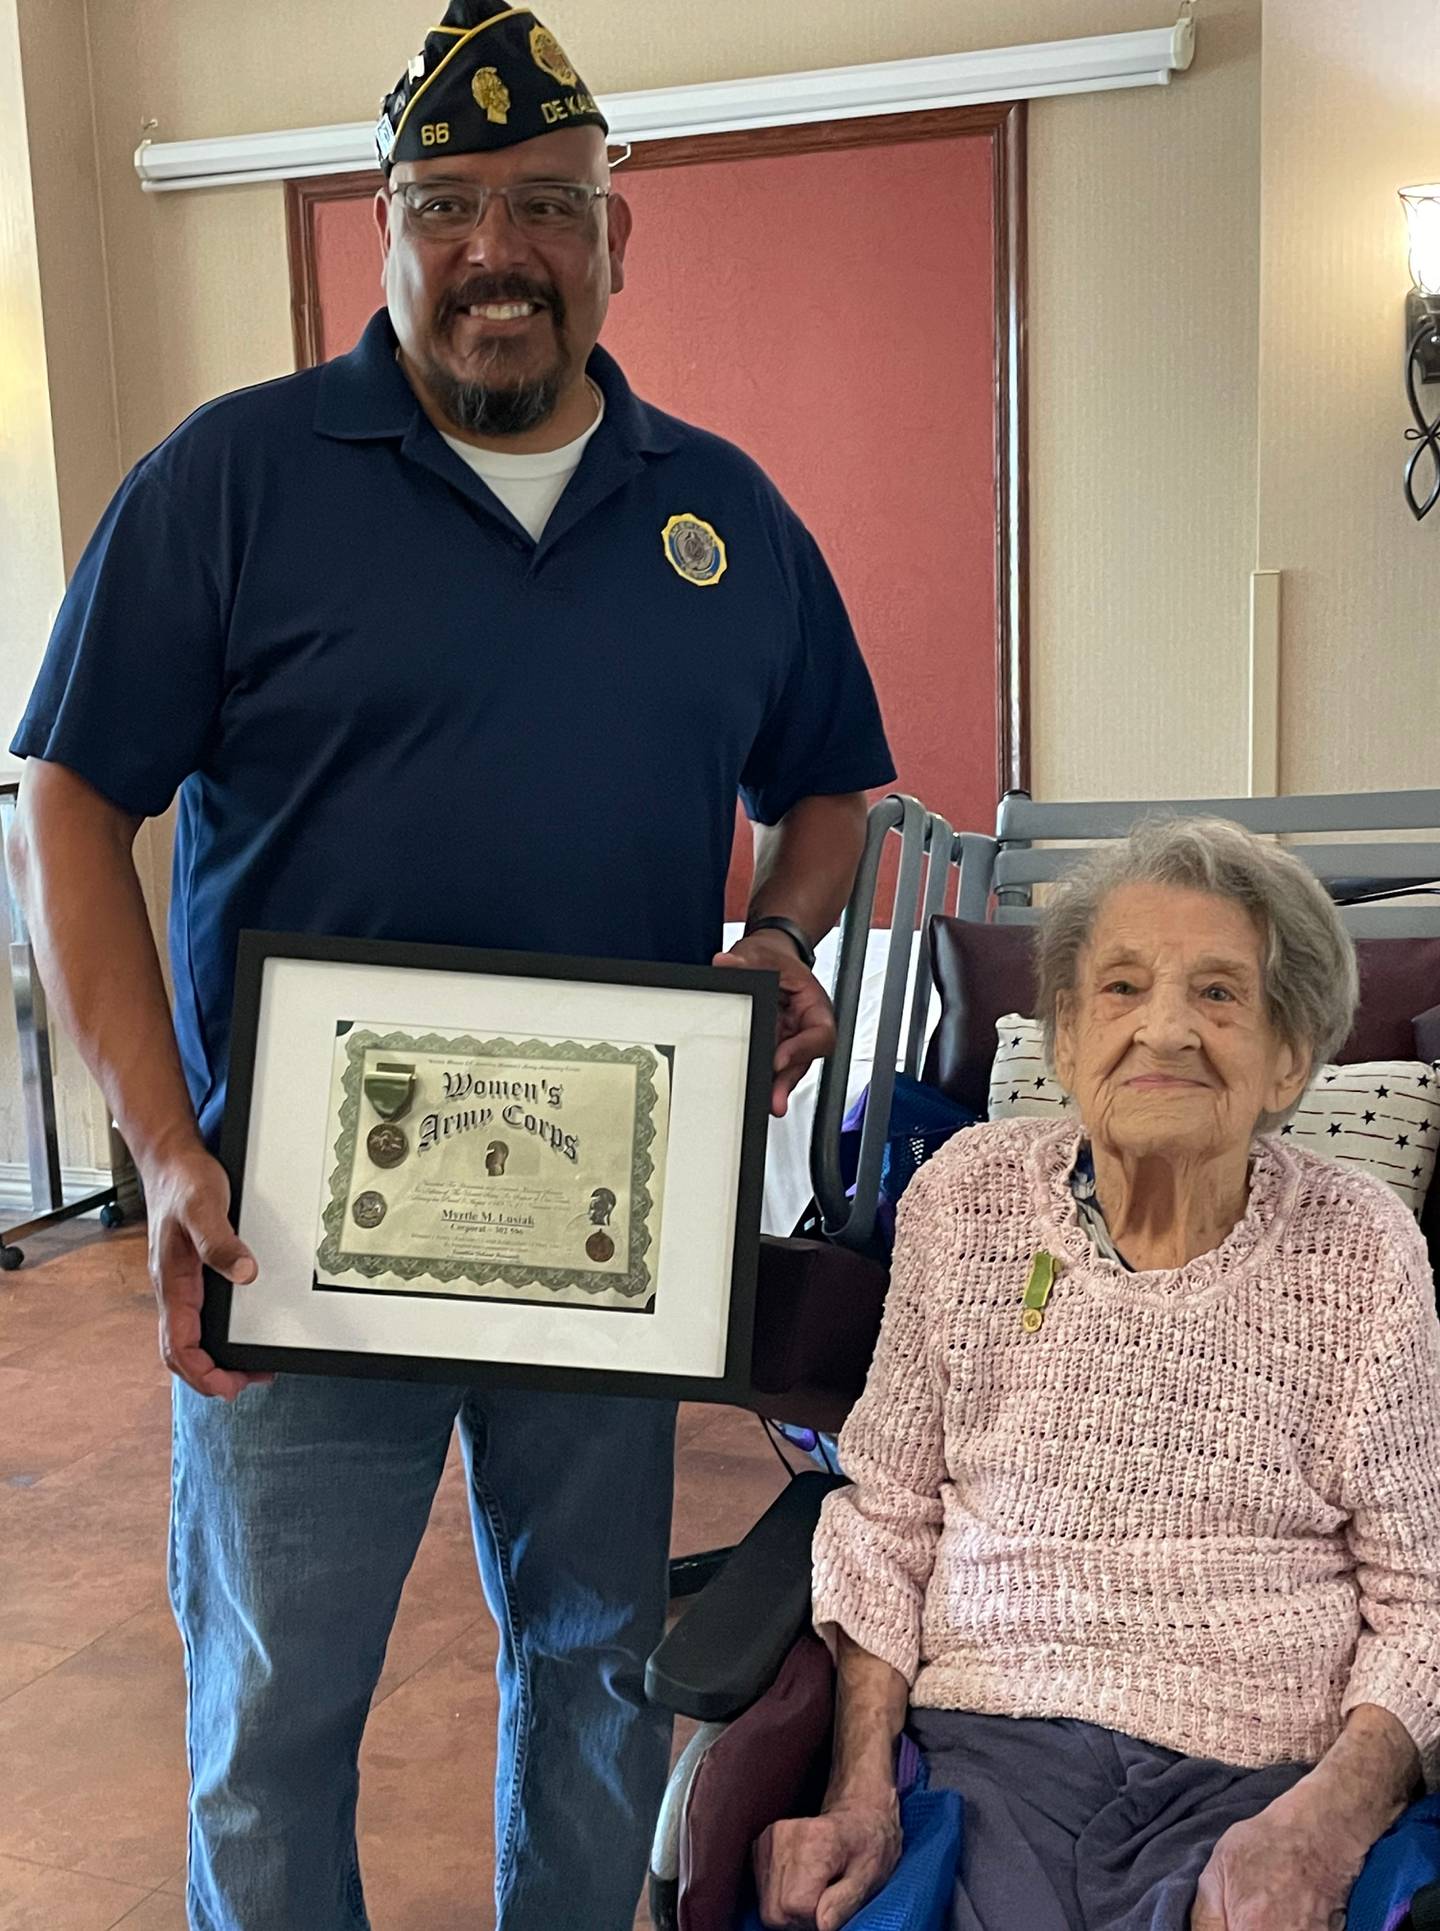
1097, 63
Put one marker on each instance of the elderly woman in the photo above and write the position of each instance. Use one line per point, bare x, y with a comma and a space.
1153, 1562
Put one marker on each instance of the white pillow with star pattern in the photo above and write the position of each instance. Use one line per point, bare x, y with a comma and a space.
1022, 1087
1380, 1114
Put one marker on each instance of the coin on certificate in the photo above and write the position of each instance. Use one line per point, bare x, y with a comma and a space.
369, 1209
599, 1247
387, 1145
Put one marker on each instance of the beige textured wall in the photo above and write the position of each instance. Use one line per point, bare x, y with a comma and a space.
1143, 275
74, 265
32, 553
31, 565
1145, 214
1200, 402
1143, 284
1360, 667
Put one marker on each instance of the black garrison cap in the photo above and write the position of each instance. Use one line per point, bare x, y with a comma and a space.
484, 79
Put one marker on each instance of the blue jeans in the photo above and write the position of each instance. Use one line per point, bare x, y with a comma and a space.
296, 1515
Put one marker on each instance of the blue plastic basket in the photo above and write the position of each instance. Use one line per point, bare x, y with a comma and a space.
922, 1119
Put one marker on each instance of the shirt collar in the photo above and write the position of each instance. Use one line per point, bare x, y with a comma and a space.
364, 396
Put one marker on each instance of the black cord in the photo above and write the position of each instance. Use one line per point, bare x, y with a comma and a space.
830, 1467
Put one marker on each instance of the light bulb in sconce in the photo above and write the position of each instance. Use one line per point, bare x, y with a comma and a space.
1422, 213
1422, 340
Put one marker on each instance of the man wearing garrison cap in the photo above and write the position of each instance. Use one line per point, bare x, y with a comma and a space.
410, 634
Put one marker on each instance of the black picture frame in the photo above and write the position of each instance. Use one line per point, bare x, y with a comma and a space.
760, 989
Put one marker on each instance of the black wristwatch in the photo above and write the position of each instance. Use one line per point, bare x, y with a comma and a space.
792, 932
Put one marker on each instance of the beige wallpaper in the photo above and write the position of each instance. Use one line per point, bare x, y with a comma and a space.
1143, 284
32, 564
1360, 669
1144, 215
1216, 271
199, 286
72, 256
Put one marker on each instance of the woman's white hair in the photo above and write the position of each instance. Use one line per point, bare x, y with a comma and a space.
1311, 985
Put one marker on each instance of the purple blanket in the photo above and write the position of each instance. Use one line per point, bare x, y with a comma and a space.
1073, 1828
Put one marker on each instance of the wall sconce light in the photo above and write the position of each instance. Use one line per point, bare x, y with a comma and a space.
1422, 338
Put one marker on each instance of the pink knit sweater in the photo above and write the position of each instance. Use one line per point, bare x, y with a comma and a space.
1200, 1506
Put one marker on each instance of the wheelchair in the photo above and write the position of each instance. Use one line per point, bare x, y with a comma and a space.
743, 1663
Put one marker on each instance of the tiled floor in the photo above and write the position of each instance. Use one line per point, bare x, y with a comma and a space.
92, 1776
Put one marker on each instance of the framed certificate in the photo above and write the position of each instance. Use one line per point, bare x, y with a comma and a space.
491, 1166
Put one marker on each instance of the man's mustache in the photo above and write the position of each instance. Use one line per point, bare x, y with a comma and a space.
481, 290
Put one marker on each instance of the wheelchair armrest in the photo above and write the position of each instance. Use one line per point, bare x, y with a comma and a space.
1424, 1912
726, 1651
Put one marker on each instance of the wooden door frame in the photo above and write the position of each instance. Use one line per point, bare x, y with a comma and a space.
1003, 124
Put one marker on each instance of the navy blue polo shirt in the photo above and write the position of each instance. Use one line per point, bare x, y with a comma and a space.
390, 714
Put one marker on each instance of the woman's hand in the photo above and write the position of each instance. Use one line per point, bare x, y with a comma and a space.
1290, 1868
814, 1873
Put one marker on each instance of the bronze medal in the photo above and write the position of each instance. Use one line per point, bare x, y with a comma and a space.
386, 1144
369, 1209
600, 1247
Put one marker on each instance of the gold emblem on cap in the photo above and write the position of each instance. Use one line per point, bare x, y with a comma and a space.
550, 56
492, 94
694, 549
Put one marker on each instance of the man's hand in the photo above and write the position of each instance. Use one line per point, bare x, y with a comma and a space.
188, 1199
805, 1030
814, 1873
1288, 1869
72, 863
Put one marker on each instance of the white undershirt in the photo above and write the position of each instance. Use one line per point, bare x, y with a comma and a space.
531, 485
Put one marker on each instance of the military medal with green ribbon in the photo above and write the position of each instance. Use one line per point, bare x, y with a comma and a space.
390, 1088
1043, 1270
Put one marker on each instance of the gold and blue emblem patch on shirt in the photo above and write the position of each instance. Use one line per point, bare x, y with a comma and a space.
695, 549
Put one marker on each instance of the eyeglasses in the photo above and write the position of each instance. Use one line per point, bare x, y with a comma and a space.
452, 210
